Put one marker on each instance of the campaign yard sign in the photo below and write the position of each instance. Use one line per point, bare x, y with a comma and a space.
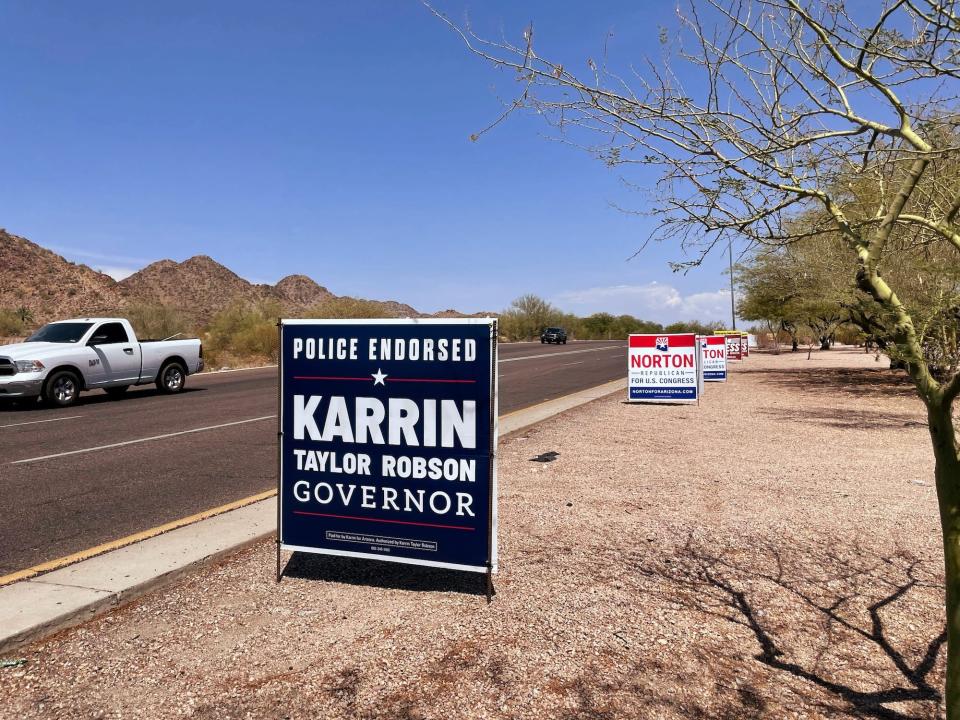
745, 345
714, 358
663, 368
388, 440
732, 346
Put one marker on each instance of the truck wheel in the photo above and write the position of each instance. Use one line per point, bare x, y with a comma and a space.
62, 388
116, 392
171, 378
542, 341
564, 341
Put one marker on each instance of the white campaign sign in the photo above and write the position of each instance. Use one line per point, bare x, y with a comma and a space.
663, 368
714, 358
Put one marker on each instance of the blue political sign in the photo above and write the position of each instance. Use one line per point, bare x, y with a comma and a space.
388, 438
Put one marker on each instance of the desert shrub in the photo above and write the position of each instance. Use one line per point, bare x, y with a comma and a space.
11, 324
767, 340
694, 326
244, 332
347, 307
526, 318
849, 334
604, 326
157, 321
528, 315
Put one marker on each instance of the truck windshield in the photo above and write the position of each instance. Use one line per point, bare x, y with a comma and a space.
60, 333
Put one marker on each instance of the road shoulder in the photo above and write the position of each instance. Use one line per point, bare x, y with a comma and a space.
39, 605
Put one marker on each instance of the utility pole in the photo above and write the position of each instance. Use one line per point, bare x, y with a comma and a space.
733, 306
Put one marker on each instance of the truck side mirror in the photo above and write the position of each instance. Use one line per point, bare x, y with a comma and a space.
97, 340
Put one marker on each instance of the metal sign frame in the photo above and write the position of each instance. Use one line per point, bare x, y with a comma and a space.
697, 382
723, 345
490, 566
728, 350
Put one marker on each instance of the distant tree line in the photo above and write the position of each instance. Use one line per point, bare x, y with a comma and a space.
528, 315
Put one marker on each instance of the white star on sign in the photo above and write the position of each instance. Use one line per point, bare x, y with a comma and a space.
378, 377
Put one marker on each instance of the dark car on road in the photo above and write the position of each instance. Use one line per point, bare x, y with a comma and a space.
554, 335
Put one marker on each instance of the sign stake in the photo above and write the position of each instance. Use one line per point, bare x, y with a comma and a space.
494, 340
663, 368
279, 434
377, 409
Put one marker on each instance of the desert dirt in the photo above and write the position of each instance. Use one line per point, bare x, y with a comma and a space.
773, 553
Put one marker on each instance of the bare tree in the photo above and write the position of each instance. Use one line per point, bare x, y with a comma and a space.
791, 98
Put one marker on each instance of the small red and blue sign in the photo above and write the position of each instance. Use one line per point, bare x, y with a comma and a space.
714, 358
732, 346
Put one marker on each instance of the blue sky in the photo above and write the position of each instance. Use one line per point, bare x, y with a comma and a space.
330, 139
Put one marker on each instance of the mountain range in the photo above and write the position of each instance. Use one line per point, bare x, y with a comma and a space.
51, 287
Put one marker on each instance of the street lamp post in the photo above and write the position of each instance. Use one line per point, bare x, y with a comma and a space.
733, 306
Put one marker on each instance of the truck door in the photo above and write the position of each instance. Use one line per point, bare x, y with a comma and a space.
120, 357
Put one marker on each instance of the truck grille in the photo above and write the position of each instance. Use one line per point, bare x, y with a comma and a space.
7, 367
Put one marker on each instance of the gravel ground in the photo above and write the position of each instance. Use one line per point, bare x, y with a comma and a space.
773, 553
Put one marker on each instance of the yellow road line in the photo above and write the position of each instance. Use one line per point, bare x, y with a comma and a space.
130, 539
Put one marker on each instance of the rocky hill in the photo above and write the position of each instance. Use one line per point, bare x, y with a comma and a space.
298, 292
451, 313
200, 287
392, 308
52, 287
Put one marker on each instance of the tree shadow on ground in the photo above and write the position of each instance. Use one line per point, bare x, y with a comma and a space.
388, 575
848, 420
820, 618
859, 382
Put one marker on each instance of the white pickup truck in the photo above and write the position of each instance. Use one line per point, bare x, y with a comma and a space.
63, 358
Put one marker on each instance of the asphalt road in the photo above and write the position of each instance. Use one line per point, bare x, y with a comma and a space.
62, 492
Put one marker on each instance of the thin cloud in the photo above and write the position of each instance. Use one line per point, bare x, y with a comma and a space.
117, 273
79, 253
655, 301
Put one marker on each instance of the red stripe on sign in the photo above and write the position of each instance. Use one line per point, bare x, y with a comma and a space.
329, 377
715, 340
385, 379
427, 380
391, 522
649, 341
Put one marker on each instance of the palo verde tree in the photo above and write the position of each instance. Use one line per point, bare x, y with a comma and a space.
803, 286
527, 316
762, 110
769, 291
807, 282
